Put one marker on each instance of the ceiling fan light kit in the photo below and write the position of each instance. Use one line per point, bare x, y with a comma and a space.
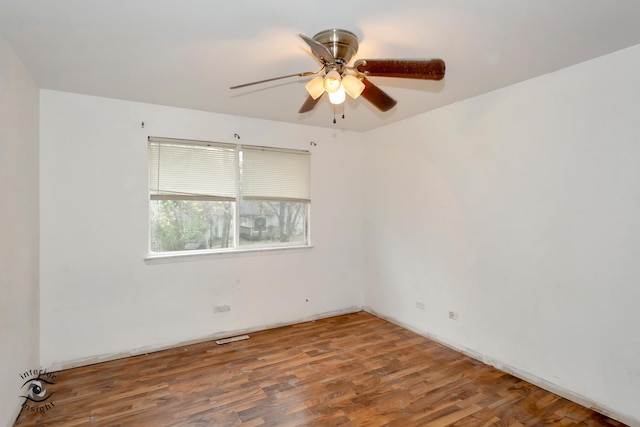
334, 49
338, 96
352, 85
332, 81
315, 87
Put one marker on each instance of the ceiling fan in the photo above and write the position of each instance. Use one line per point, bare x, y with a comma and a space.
334, 49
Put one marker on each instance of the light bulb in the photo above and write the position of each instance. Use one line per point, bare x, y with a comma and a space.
352, 85
337, 97
315, 87
332, 81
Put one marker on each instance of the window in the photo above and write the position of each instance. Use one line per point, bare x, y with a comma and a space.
206, 196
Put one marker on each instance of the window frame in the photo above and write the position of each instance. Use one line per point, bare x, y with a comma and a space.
238, 247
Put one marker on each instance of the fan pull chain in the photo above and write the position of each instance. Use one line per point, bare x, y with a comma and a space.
334, 114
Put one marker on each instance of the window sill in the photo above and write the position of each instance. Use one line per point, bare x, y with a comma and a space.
197, 255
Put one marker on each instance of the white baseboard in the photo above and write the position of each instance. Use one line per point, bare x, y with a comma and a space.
530, 378
224, 334
533, 379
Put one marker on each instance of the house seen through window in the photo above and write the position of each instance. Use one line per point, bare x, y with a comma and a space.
206, 196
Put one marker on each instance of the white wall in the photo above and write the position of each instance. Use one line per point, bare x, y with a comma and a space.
18, 229
517, 209
520, 210
99, 297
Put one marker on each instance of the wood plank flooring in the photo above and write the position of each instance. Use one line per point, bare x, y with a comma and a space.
351, 370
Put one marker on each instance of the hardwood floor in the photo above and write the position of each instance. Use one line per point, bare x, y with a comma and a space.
351, 370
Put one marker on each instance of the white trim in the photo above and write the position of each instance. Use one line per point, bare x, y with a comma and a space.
189, 142
236, 206
278, 149
169, 257
526, 376
533, 379
191, 189
55, 367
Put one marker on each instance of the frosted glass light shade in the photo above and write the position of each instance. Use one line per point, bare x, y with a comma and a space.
332, 81
352, 85
315, 87
337, 97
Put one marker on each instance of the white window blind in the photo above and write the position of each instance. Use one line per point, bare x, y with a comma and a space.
272, 174
191, 170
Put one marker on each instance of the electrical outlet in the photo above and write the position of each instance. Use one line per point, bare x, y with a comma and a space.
221, 308
453, 315
419, 305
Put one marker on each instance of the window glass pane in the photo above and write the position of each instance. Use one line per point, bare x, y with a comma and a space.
272, 223
185, 225
194, 188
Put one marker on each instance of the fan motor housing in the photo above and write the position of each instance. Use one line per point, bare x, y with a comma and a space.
343, 44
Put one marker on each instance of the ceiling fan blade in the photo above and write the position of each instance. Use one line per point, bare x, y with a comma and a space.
321, 52
305, 74
377, 96
308, 105
425, 69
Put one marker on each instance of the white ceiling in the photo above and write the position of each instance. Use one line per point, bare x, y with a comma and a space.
186, 53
